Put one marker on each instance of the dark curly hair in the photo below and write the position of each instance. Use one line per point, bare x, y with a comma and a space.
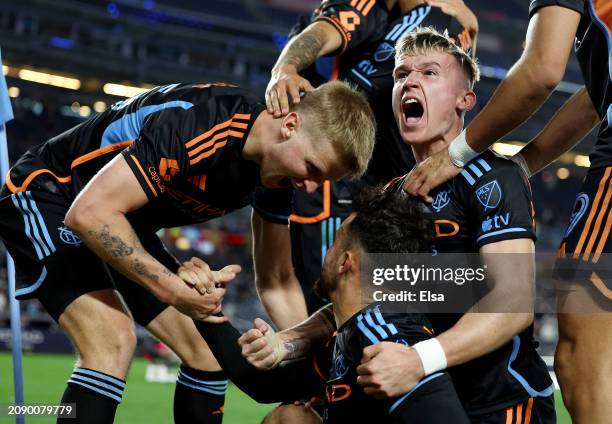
390, 221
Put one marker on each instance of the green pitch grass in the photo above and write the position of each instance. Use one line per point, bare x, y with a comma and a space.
151, 403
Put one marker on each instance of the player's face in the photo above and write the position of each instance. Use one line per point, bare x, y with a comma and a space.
428, 96
301, 162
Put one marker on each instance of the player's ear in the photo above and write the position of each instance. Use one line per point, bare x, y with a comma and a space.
290, 124
466, 101
347, 262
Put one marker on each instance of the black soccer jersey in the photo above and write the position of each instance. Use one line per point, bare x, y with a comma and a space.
182, 141
593, 47
490, 201
345, 400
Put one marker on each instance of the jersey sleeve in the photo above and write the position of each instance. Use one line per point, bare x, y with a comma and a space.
376, 326
500, 202
357, 22
577, 5
273, 205
159, 154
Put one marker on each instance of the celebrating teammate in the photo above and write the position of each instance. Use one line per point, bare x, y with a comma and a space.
352, 41
383, 221
555, 26
189, 153
491, 357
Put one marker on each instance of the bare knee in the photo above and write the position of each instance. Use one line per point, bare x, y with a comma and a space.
290, 414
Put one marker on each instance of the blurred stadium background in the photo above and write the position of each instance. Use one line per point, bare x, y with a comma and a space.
68, 59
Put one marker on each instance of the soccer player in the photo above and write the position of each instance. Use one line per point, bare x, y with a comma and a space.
582, 359
383, 221
491, 357
175, 155
352, 41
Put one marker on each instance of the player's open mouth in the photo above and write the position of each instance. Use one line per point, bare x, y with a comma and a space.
413, 111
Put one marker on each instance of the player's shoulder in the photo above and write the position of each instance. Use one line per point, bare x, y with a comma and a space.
487, 167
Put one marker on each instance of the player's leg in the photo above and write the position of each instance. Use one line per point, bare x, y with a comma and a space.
75, 288
291, 414
583, 361
200, 388
103, 335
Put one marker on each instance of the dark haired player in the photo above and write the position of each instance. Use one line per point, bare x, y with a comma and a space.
383, 221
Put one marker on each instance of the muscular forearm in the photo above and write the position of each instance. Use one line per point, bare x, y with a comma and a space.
318, 39
571, 123
304, 337
111, 237
284, 302
514, 101
477, 334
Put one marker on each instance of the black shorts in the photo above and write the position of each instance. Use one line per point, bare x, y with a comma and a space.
54, 266
538, 410
585, 254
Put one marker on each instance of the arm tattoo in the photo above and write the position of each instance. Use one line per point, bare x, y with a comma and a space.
297, 348
113, 245
303, 51
141, 269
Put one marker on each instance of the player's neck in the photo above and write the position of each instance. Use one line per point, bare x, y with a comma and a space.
346, 300
265, 130
424, 150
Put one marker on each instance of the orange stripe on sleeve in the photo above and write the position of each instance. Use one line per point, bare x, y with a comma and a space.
368, 7
594, 208
143, 174
604, 237
242, 116
528, 411
94, 154
208, 133
323, 215
519, 413
213, 140
601, 286
208, 153
509, 416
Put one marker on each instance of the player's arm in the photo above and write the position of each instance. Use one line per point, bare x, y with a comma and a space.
464, 15
550, 36
98, 216
504, 312
278, 288
318, 39
571, 123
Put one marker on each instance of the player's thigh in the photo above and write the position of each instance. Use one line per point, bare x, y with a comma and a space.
51, 263
539, 410
584, 268
290, 414
588, 342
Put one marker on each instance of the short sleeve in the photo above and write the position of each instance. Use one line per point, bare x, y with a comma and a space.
159, 154
273, 205
577, 5
364, 22
500, 202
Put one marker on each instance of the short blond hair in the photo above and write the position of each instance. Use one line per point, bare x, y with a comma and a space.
340, 113
427, 39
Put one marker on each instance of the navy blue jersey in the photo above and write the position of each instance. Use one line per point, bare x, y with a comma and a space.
593, 47
182, 141
490, 201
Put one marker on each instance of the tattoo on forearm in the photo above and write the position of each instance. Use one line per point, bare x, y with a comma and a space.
141, 269
114, 245
303, 51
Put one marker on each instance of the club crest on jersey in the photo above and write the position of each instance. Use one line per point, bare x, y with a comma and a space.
442, 199
489, 195
384, 52
340, 366
580, 207
68, 237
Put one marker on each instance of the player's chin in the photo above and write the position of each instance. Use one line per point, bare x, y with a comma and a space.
276, 182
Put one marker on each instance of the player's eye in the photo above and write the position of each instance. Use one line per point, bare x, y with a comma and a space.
430, 72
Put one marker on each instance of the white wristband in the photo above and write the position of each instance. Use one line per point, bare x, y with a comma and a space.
520, 161
460, 152
432, 355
